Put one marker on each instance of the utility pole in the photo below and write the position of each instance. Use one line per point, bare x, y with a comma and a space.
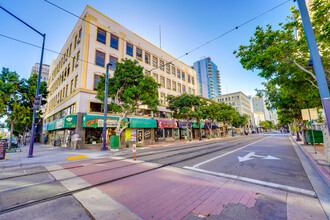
39, 77
104, 146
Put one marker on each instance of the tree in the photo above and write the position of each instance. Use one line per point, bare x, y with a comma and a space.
183, 107
128, 89
227, 115
282, 58
240, 120
213, 112
16, 98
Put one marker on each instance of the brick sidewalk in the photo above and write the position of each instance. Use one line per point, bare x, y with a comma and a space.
165, 194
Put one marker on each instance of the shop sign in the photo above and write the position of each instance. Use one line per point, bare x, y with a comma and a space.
59, 124
70, 121
111, 123
133, 135
166, 124
183, 124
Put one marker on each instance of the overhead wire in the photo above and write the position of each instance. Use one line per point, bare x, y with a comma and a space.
183, 55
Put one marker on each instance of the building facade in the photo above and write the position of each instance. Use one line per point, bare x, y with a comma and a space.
72, 104
44, 71
208, 78
258, 105
238, 100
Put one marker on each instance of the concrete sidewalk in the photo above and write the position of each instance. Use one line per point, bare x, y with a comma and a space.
47, 155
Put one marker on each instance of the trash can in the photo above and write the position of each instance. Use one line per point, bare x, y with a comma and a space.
318, 136
114, 141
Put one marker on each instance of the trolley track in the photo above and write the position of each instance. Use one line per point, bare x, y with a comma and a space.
143, 153
70, 193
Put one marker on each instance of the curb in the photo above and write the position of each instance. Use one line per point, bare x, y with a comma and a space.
319, 169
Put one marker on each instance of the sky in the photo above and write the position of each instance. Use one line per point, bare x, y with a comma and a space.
185, 25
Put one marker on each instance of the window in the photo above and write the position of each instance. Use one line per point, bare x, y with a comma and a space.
70, 50
189, 91
138, 54
183, 76
179, 87
96, 80
168, 83
78, 58
173, 70
129, 49
75, 42
147, 58
183, 88
193, 91
79, 35
66, 90
113, 61
162, 98
95, 107
188, 77
168, 68
71, 86
178, 73
162, 81
114, 42
174, 86
155, 61
193, 80
161, 65
101, 36
155, 76
76, 81
73, 63
100, 58
68, 72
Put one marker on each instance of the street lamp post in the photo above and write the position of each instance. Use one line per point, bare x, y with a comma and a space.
39, 76
104, 146
316, 59
26, 130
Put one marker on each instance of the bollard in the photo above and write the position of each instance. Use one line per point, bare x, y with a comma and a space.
134, 151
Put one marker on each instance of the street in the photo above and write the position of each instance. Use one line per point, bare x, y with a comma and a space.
249, 177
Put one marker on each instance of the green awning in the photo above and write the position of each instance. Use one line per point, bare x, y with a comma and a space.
195, 125
66, 122
142, 123
51, 126
96, 121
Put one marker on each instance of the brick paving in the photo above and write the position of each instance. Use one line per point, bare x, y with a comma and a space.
163, 194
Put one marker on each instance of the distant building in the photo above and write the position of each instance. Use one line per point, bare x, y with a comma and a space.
208, 78
44, 71
258, 105
238, 100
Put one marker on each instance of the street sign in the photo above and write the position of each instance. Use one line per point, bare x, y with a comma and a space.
134, 148
309, 114
38, 121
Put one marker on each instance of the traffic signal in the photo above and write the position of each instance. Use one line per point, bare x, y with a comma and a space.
38, 121
36, 102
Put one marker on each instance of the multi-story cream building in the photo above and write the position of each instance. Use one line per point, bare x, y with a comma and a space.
44, 71
72, 105
238, 100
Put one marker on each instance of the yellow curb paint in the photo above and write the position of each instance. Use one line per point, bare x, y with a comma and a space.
76, 158
6, 157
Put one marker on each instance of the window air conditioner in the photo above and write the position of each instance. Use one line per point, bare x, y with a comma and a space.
78, 40
76, 64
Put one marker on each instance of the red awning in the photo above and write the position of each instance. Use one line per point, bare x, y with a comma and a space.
166, 124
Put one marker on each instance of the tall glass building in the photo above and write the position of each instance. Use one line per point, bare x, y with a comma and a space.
208, 78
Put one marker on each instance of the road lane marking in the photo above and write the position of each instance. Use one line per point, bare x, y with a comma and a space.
259, 182
207, 161
250, 156
76, 158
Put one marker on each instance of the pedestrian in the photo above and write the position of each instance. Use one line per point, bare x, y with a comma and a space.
45, 139
75, 138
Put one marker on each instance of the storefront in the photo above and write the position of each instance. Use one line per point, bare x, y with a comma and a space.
183, 131
215, 129
166, 130
45, 133
141, 131
61, 130
196, 130
93, 125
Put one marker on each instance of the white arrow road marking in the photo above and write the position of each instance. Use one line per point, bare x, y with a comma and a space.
246, 157
250, 156
271, 158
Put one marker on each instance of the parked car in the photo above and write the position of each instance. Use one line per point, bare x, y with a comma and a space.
13, 142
